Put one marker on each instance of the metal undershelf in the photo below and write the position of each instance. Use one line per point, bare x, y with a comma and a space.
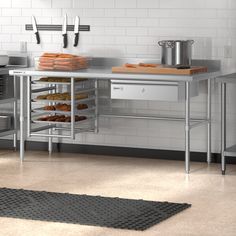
230, 151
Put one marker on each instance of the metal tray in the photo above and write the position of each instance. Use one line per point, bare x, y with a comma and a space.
63, 123
5, 122
77, 112
90, 98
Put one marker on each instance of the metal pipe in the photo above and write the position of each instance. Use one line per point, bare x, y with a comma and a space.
76, 129
15, 113
72, 108
22, 137
50, 130
53, 135
41, 128
151, 117
209, 121
223, 127
187, 127
96, 107
28, 106
43, 89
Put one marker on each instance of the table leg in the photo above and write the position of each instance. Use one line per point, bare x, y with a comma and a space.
28, 106
50, 130
72, 108
223, 127
96, 125
22, 135
187, 127
15, 114
209, 122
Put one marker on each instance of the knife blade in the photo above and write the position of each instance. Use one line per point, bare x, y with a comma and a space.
34, 24
76, 30
64, 32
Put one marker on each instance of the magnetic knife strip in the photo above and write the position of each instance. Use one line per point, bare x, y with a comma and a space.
57, 27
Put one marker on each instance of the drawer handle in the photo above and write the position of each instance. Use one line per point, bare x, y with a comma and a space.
118, 88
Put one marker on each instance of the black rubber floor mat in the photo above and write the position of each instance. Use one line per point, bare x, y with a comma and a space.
84, 209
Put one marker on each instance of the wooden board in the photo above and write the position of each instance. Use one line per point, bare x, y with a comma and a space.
157, 69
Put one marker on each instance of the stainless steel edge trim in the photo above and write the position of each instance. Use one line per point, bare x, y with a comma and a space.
117, 81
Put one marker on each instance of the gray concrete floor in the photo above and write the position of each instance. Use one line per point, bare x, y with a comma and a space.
213, 196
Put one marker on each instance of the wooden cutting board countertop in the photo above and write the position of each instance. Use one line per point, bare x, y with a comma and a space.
142, 68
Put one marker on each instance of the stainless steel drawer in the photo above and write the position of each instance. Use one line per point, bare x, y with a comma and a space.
137, 90
151, 90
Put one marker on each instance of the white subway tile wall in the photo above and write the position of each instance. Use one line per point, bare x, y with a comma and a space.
132, 28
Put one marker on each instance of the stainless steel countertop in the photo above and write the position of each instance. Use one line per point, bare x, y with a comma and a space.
101, 69
228, 78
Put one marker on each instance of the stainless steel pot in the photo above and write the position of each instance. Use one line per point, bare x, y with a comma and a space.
176, 53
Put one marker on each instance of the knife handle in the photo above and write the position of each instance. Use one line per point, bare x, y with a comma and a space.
37, 37
65, 41
76, 39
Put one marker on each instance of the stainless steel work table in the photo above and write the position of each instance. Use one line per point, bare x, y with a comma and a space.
225, 151
101, 70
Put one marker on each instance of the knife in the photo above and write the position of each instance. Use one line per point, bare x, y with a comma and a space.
35, 29
64, 32
76, 30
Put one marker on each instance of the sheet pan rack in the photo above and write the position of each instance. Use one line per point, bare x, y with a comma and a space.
56, 129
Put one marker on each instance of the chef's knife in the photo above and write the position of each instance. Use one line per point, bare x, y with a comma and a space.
76, 30
64, 32
35, 29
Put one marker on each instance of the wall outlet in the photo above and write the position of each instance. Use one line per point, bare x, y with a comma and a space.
228, 51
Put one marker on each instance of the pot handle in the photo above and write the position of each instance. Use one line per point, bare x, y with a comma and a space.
170, 44
191, 41
167, 44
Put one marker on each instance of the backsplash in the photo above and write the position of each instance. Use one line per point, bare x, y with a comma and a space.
132, 28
